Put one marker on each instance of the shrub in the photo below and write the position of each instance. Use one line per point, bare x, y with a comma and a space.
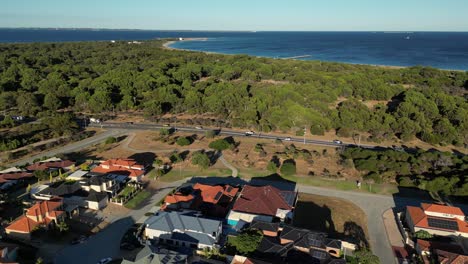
272, 167
374, 177
183, 141
422, 234
210, 134
220, 144
164, 132
406, 182
288, 168
246, 242
110, 140
201, 159
175, 158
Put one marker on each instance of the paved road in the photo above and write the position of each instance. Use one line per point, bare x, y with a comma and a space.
76, 146
227, 132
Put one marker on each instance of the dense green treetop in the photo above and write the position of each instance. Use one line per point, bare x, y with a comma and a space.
261, 93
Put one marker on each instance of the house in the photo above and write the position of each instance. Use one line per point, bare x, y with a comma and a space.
128, 167
8, 253
437, 219
51, 164
300, 239
444, 257
425, 247
212, 200
183, 229
96, 200
44, 213
264, 203
61, 188
152, 255
12, 176
237, 259
101, 183
75, 194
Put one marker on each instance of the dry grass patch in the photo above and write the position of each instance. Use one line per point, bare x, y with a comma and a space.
338, 217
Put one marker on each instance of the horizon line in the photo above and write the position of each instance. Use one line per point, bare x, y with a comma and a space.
229, 30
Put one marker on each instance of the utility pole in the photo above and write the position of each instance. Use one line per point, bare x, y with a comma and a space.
305, 131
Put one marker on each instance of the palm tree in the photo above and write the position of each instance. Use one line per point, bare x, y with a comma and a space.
62, 226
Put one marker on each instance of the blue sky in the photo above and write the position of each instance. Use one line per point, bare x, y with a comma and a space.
313, 15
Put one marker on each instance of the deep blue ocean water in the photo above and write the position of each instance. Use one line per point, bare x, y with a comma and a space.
445, 50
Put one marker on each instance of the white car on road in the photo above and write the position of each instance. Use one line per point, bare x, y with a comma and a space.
249, 133
336, 141
105, 261
287, 139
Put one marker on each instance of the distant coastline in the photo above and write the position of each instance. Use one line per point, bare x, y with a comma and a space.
441, 50
167, 45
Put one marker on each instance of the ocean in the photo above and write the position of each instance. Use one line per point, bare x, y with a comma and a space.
444, 50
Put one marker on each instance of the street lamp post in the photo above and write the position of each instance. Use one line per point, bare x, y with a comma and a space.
305, 131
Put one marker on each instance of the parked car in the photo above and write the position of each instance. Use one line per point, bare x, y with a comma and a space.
105, 261
336, 141
287, 139
79, 240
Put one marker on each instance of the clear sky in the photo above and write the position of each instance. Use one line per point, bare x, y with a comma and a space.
313, 15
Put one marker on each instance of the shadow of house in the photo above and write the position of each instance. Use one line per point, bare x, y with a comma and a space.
233, 181
274, 180
318, 217
144, 157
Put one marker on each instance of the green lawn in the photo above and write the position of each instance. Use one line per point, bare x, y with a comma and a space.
126, 191
138, 199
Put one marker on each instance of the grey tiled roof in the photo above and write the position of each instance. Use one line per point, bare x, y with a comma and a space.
150, 255
191, 228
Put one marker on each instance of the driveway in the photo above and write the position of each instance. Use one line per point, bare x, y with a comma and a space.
104, 244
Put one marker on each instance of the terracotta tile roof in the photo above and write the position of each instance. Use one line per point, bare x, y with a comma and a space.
443, 209
16, 175
43, 207
416, 214
23, 224
50, 165
212, 194
119, 170
420, 219
127, 167
265, 200
446, 257
178, 197
127, 163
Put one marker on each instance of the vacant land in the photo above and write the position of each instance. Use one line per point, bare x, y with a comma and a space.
337, 217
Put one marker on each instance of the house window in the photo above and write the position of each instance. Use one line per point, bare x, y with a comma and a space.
193, 245
177, 243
